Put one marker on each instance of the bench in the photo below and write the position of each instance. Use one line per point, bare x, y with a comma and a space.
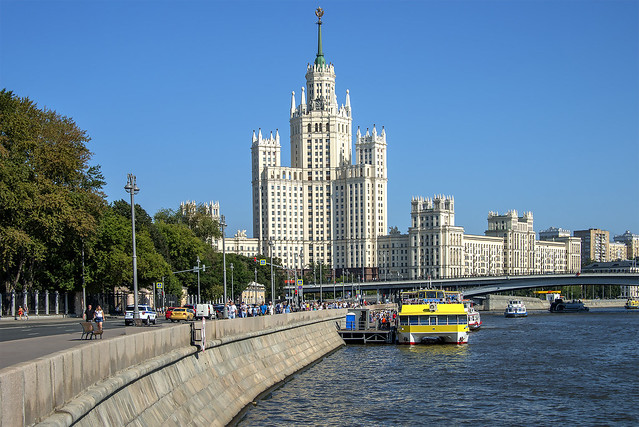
88, 332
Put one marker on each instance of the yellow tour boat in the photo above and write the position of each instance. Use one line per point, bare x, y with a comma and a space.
432, 320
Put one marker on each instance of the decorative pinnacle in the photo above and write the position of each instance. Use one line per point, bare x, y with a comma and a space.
319, 58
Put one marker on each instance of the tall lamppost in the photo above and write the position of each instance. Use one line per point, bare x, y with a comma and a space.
232, 297
270, 243
132, 188
199, 300
223, 225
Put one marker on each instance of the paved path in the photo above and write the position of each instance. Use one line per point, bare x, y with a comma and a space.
25, 348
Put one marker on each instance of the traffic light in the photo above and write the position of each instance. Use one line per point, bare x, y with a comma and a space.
255, 259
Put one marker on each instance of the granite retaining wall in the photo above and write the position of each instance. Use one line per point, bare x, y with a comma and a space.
157, 376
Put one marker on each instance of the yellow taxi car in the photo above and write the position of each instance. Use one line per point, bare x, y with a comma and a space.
181, 314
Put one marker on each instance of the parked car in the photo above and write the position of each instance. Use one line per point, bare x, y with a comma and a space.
181, 313
167, 313
204, 310
147, 314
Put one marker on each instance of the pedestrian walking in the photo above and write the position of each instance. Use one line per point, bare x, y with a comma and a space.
20, 312
89, 314
99, 316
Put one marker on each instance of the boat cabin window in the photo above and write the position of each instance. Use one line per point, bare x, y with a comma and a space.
433, 320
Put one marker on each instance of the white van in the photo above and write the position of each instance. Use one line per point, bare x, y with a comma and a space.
204, 310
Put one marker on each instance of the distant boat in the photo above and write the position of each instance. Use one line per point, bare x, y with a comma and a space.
516, 308
632, 304
474, 319
561, 306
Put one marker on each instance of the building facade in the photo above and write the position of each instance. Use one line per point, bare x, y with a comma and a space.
594, 245
631, 241
326, 208
393, 255
437, 248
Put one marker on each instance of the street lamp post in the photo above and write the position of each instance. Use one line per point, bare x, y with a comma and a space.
223, 225
132, 188
270, 243
255, 287
232, 297
321, 265
199, 300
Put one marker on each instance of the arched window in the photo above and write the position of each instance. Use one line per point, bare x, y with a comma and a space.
328, 127
309, 128
315, 127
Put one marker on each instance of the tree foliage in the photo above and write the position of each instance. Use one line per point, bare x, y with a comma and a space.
50, 196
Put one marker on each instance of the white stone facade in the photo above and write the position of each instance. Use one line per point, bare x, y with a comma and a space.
323, 209
519, 240
435, 247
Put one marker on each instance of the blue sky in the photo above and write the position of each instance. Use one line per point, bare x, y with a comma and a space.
526, 105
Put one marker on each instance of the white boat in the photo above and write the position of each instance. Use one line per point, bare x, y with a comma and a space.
516, 308
474, 319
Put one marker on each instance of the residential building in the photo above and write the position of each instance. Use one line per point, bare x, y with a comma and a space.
323, 208
437, 248
632, 244
572, 248
617, 251
594, 245
393, 254
519, 240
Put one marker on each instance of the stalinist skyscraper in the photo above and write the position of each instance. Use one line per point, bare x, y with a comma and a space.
323, 209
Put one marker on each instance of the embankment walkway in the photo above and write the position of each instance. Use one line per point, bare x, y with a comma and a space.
156, 376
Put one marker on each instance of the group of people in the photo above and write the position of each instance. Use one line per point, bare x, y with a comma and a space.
243, 310
23, 313
383, 318
251, 310
96, 315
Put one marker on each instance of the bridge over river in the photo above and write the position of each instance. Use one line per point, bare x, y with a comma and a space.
477, 286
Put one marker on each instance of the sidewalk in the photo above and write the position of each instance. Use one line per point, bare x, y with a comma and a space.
28, 349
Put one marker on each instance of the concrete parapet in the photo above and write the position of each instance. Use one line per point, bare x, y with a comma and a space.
31, 390
156, 376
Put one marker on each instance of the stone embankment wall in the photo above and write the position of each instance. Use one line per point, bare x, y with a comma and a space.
156, 377
500, 302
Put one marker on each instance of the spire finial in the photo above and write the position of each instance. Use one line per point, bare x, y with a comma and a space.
319, 59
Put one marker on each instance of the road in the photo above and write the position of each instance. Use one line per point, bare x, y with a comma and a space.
22, 341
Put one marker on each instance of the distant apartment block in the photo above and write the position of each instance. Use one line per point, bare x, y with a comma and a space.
631, 241
594, 245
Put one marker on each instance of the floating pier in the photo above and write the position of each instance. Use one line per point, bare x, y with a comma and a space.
360, 330
368, 336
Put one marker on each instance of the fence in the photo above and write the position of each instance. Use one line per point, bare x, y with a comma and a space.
37, 303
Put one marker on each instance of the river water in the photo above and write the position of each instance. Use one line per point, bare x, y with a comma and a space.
579, 368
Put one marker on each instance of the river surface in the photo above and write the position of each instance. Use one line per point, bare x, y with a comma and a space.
563, 369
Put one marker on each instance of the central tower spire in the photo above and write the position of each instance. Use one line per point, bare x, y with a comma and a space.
319, 59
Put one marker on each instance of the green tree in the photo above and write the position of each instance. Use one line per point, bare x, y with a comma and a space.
111, 253
50, 196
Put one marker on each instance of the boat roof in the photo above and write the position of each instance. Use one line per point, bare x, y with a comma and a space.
414, 309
